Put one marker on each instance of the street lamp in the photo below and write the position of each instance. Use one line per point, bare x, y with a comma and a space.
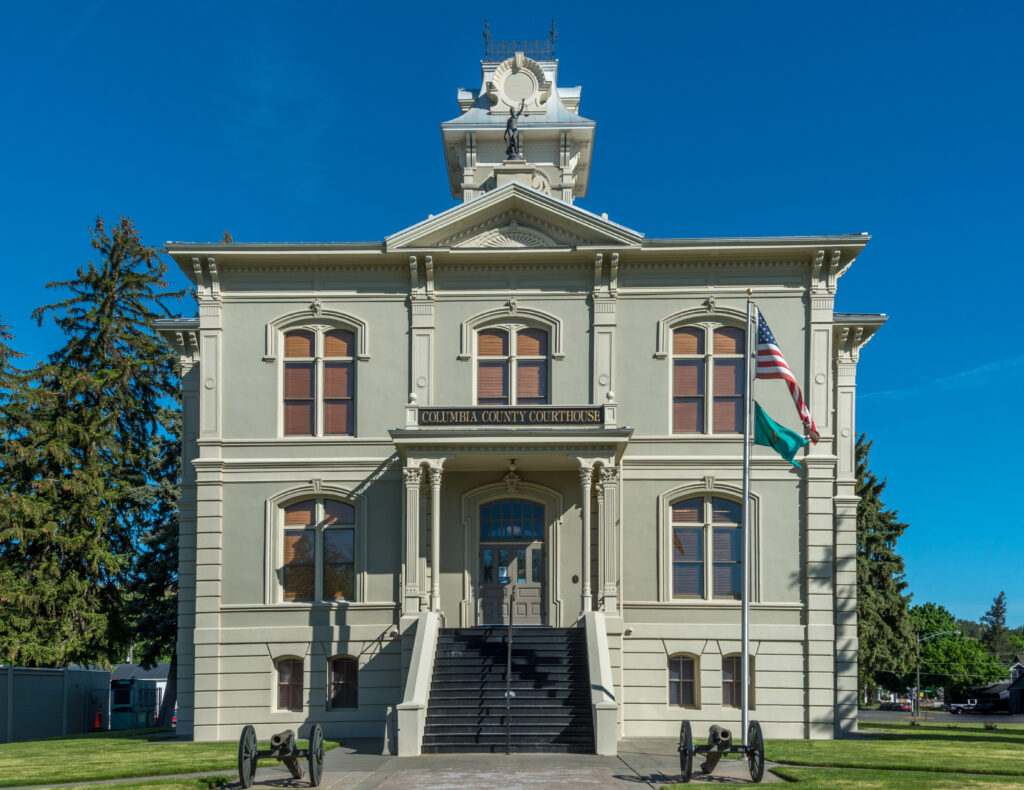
917, 690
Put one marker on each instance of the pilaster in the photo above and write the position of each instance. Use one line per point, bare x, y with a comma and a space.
604, 299
412, 584
610, 537
819, 599
421, 330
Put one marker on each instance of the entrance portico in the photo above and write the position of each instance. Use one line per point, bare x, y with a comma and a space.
489, 510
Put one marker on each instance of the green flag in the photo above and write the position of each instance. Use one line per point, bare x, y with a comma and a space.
769, 433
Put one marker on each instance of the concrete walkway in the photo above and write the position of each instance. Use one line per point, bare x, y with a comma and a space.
641, 763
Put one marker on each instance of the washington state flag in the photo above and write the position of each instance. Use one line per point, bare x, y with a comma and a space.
769, 433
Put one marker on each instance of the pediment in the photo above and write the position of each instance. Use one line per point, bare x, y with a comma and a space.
513, 216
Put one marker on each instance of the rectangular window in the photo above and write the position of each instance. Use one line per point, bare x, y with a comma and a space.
688, 549
492, 383
688, 396
299, 398
289, 685
727, 561
344, 683
682, 681
732, 681
339, 564
299, 567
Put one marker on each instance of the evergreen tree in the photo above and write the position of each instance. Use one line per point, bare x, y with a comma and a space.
77, 469
996, 636
884, 627
154, 604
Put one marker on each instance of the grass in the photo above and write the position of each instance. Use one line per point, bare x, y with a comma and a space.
852, 779
944, 748
202, 783
89, 758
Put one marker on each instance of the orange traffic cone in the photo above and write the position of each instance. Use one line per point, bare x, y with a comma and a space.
96, 722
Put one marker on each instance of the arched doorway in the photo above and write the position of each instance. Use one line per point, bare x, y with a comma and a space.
511, 557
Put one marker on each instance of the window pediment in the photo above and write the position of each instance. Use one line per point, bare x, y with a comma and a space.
319, 319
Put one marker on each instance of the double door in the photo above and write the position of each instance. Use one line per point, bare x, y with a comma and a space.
506, 567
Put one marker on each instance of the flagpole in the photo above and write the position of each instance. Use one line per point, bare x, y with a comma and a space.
749, 371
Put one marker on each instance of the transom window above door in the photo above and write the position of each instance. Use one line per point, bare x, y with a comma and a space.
512, 365
511, 519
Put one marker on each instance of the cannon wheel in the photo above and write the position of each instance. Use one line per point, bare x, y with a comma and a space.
755, 751
685, 751
316, 756
247, 755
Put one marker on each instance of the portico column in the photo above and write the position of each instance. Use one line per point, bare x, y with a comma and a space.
435, 538
586, 473
411, 596
609, 532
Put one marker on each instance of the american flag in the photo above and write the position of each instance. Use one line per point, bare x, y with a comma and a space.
772, 365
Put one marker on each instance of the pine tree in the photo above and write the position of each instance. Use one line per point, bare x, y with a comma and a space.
884, 628
996, 636
77, 469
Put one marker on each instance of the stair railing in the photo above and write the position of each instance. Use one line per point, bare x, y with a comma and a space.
509, 693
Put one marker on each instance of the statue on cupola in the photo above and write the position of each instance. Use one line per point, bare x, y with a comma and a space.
512, 132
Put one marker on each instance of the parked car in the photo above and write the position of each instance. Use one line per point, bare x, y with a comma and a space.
971, 706
906, 707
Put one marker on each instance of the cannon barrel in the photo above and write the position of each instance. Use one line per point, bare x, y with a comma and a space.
283, 741
719, 742
719, 737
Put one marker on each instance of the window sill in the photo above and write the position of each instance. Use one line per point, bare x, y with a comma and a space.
303, 606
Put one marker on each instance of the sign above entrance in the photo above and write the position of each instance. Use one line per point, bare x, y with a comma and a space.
529, 416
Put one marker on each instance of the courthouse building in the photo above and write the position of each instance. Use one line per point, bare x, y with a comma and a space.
515, 407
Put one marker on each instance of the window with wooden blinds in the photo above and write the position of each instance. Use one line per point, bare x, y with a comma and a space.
516, 373
492, 383
727, 556
299, 344
339, 343
706, 527
299, 571
319, 382
345, 682
696, 372
532, 382
532, 343
289, 685
687, 562
492, 343
338, 398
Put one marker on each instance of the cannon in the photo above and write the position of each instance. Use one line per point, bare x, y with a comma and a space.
283, 749
720, 743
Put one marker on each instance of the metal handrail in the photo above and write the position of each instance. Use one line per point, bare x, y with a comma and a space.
508, 672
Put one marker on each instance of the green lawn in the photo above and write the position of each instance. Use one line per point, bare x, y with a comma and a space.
851, 779
968, 748
205, 783
89, 758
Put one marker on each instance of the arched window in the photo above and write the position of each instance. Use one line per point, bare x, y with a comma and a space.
732, 680
318, 558
707, 378
289, 684
684, 681
319, 382
702, 527
512, 365
344, 682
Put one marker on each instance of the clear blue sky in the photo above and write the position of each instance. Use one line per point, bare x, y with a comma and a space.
900, 119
